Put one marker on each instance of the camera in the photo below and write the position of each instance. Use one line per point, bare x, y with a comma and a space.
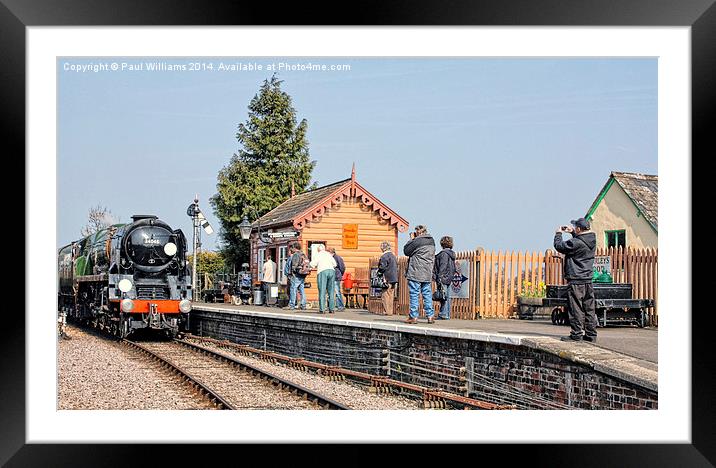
564, 228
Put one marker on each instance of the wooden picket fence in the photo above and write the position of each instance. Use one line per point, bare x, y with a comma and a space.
496, 279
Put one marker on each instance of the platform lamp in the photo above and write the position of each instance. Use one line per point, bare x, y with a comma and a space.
245, 228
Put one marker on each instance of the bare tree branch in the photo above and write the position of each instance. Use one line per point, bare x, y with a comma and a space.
98, 218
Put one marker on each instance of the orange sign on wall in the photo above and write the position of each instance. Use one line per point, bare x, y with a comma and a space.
350, 236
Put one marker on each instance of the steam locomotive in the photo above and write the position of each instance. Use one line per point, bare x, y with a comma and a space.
127, 277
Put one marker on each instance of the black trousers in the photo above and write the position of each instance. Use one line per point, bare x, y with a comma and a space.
582, 314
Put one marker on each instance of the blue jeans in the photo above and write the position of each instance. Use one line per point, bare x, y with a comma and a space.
339, 295
297, 285
416, 288
445, 307
326, 281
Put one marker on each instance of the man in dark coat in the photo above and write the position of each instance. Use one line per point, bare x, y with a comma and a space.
340, 269
579, 254
420, 251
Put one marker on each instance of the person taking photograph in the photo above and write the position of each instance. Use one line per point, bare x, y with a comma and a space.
579, 252
420, 251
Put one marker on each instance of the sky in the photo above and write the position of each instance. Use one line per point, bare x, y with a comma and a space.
494, 152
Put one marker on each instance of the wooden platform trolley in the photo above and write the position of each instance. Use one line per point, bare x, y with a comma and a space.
614, 305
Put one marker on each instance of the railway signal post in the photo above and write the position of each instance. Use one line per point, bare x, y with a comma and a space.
198, 221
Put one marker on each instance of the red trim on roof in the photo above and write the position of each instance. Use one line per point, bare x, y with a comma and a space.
349, 190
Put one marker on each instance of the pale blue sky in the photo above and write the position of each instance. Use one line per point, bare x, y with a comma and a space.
495, 152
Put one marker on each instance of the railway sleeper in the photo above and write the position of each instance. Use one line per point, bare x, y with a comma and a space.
435, 404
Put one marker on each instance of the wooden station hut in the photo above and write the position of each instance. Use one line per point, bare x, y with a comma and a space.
343, 215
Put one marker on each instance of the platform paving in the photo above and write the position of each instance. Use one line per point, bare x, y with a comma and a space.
627, 352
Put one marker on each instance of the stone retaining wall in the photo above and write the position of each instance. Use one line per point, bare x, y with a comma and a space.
492, 369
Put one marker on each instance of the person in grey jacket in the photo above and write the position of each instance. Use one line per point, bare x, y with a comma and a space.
388, 267
578, 270
420, 251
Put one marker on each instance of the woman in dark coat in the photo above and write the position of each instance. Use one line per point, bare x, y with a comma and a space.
388, 267
443, 273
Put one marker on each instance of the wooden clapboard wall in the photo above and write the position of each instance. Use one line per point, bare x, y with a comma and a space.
372, 230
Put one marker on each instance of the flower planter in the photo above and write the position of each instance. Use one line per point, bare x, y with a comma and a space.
529, 308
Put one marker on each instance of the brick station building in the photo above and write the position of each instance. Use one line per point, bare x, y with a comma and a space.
343, 215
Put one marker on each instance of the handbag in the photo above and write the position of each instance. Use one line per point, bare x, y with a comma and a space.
379, 281
440, 294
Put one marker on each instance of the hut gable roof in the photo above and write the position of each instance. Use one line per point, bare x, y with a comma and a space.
642, 189
306, 207
644, 192
286, 211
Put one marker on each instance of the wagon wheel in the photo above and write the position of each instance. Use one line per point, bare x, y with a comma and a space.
601, 321
642, 319
555, 316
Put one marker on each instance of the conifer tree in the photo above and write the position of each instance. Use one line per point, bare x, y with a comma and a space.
273, 154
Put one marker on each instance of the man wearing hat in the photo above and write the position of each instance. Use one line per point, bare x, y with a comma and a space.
578, 270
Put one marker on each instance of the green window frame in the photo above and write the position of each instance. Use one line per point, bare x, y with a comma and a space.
617, 235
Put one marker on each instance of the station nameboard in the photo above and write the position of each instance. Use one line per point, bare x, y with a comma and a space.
350, 236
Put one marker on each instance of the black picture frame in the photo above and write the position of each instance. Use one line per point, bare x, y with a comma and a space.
700, 15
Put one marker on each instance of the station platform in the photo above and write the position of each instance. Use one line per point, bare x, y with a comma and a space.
626, 352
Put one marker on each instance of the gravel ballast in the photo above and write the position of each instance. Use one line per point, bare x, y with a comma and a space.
99, 373
95, 372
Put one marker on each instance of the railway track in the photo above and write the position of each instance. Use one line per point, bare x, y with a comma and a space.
229, 383
185, 376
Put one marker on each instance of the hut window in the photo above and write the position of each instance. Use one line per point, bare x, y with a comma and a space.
312, 248
616, 238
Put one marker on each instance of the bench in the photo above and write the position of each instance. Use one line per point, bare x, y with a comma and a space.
361, 288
